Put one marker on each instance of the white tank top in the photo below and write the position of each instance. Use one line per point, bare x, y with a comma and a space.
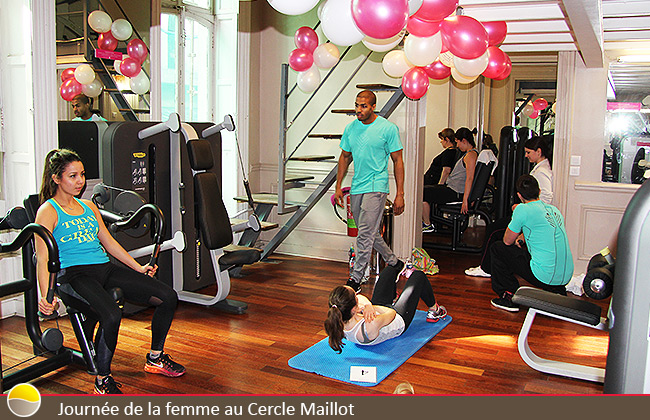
392, 330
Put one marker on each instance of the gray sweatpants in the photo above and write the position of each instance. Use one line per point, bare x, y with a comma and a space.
367, 210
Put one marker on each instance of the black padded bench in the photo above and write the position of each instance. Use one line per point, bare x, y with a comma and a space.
567, 309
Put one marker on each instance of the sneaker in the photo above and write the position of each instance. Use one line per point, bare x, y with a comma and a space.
435, 316
505, 303
428, 228
107, 386
477, 272
164, 365
353, 284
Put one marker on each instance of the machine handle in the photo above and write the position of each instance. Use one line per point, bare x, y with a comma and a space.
159, 232
173, 124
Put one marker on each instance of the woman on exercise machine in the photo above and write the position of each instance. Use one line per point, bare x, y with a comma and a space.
86, 274
368, 322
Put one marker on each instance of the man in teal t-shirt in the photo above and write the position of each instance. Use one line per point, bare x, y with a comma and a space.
370, 141
545, 260
82, 109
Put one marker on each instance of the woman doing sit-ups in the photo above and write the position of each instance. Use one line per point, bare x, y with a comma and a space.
369, 322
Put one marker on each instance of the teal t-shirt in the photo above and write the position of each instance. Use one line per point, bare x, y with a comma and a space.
543, 227
95, 117
76, 237
371, 146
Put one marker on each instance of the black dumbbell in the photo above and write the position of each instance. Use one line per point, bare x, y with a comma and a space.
599, 282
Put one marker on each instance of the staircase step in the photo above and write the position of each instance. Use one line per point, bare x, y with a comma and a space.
137, 111
326, 136
263, 225
312, 158
344, 111
297, 178
378, 87
265, 198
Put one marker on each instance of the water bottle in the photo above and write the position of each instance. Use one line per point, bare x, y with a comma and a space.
351, 257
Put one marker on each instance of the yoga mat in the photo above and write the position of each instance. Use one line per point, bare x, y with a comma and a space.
386, 356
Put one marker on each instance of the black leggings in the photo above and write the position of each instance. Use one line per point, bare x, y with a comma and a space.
85, 288
417, 287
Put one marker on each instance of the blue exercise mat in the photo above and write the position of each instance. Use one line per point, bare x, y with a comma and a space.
386, 356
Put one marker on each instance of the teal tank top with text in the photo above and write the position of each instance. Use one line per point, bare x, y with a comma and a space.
77, 238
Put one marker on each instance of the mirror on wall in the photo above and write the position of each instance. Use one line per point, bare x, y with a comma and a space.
626, 153
534, 105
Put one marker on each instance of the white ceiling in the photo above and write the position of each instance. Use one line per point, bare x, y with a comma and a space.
602, 30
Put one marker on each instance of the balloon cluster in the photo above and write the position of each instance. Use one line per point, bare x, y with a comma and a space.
110, 33
308, 57
532, 109
439, 43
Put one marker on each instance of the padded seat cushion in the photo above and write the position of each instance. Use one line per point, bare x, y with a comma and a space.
578, 310
200, 155
244, 256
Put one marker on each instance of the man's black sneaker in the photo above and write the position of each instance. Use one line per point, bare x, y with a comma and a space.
505, 303
107, 386
353, 284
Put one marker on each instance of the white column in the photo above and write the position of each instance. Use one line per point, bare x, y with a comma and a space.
155, 72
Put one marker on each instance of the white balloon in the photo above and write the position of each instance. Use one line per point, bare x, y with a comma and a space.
309, 80
395, 63
121, 29
460, 78
140, 83
319, 11
553, 107
326, 55
99, 21
447, 59
338, 24
422, 51
84, 74
293, 7
471, 67
383, 45
414, 6
116, 66
93, 89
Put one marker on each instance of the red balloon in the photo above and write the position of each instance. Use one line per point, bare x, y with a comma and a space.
433, 10
67, 73
70, 88
507, 70
422, 28
107, 41
130, 67
540, 104
415, 83
497, 62
437, 70
137, 49
464, 36
534, 115
300, 59
380, 19
496, 31
306, 38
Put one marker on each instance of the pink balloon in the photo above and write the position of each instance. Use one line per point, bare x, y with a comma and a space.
497, 62
437, 70
496, 31
507, 70
464, 36
137, 49
540, 104
380, 19
70, 88
106, 41
534, 115
422, 28
306, 38
301, 59
415, 83
67, 73
130, 67
433, 10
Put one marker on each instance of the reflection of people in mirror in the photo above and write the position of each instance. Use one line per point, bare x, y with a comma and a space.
82, 108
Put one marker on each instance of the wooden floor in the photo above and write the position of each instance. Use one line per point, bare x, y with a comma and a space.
248, 354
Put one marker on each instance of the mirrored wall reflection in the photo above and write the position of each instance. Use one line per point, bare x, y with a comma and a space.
535, 106
626, 155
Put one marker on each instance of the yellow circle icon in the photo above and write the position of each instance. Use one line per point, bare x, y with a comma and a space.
24, 400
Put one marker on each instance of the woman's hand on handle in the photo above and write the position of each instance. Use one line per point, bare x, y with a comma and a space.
47, 308
149, 270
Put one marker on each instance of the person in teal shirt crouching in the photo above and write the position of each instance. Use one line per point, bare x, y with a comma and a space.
535, 247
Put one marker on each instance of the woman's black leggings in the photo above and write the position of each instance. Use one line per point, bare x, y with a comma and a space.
85, 288
417, 287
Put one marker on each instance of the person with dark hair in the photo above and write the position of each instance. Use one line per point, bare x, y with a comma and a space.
537, 152
370, 141
545, 262
368, 322
82, 109
459, 183
86, 274
440, 168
